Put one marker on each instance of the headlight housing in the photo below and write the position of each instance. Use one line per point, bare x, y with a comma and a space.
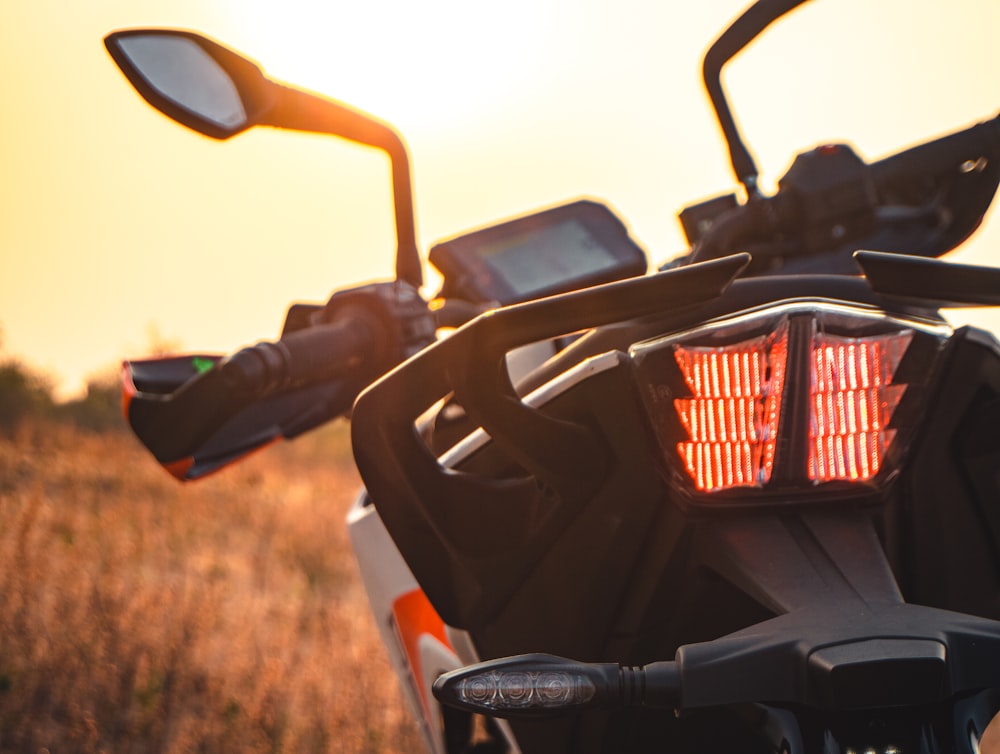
805, 394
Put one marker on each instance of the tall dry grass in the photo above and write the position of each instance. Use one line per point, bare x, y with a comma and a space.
141, 615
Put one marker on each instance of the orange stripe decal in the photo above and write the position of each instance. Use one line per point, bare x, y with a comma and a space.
415, 616
180, 468
128, 388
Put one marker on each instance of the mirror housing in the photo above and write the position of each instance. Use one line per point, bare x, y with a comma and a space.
220, 93
193, 80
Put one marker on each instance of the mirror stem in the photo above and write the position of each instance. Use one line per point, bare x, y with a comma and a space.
740, 33
295, 109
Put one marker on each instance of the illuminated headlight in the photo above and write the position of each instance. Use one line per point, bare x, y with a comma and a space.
538, 685
853, 399
732, 409
528, 685
797, 394
522, 690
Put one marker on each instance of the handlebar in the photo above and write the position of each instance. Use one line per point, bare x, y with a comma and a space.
352, 343
816, 196
318, 367
196, 420
322, 352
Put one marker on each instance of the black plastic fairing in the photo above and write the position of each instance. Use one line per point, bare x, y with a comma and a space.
930, 281
430, 510
943, 525
834, 658
810, 594
837, 576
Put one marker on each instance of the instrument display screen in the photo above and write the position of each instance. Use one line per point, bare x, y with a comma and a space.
558, 250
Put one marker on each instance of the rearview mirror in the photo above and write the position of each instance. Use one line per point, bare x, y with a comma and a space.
218, 92
192, 79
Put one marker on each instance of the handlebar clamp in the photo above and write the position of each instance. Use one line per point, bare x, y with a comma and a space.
394, 312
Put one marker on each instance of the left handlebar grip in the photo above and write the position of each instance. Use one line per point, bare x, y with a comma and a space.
318, 353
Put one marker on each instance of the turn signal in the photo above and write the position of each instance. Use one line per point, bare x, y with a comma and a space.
538, 685
526, 685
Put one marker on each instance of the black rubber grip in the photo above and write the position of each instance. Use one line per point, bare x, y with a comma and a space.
318, 353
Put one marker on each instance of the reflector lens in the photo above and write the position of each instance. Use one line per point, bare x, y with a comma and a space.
732, 418
505, 690
853, 399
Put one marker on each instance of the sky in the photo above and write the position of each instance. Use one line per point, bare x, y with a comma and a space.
120, 230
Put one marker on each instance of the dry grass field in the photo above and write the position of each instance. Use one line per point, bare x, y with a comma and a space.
141, 615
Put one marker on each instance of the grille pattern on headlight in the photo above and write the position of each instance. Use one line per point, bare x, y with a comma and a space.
803, 395
853, 399
732, 416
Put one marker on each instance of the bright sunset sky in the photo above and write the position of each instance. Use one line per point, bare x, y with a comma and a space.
116, 223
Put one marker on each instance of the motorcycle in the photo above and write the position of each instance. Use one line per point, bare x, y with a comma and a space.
746, 502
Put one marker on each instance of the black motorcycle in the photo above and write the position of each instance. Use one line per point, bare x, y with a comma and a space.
748, 503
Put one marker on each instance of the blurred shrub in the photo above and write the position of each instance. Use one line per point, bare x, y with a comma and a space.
100, 409
24, 394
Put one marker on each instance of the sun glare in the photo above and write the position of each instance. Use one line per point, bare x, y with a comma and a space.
399, 60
